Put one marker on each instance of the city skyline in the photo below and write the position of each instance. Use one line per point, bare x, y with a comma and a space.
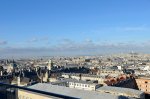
73, 27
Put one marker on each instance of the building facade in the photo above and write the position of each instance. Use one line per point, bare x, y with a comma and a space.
143, 84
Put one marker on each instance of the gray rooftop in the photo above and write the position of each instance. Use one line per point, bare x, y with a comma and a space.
74, 92
120, 90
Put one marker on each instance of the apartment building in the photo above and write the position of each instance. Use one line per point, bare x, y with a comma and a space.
77, 84
84, 77
143, 84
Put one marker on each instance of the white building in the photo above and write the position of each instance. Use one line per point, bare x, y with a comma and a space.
77, 84
84, 85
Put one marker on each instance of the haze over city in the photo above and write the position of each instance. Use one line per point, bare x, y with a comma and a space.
73, 27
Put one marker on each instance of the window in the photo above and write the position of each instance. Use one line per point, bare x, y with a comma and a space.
146, 82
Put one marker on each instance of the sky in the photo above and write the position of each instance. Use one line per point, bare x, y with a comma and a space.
73, 27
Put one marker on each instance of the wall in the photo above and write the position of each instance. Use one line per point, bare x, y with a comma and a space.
22, 94
143, 84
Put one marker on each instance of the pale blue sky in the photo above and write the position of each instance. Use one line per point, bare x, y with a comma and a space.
35, 24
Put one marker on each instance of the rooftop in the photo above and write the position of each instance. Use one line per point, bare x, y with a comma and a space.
75, 81
73, 92
85, 75
144, 77
120, 90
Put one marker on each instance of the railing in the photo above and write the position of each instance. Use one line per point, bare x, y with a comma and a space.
8, 91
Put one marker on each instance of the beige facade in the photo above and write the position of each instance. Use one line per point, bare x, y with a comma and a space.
143, 84
22, 94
